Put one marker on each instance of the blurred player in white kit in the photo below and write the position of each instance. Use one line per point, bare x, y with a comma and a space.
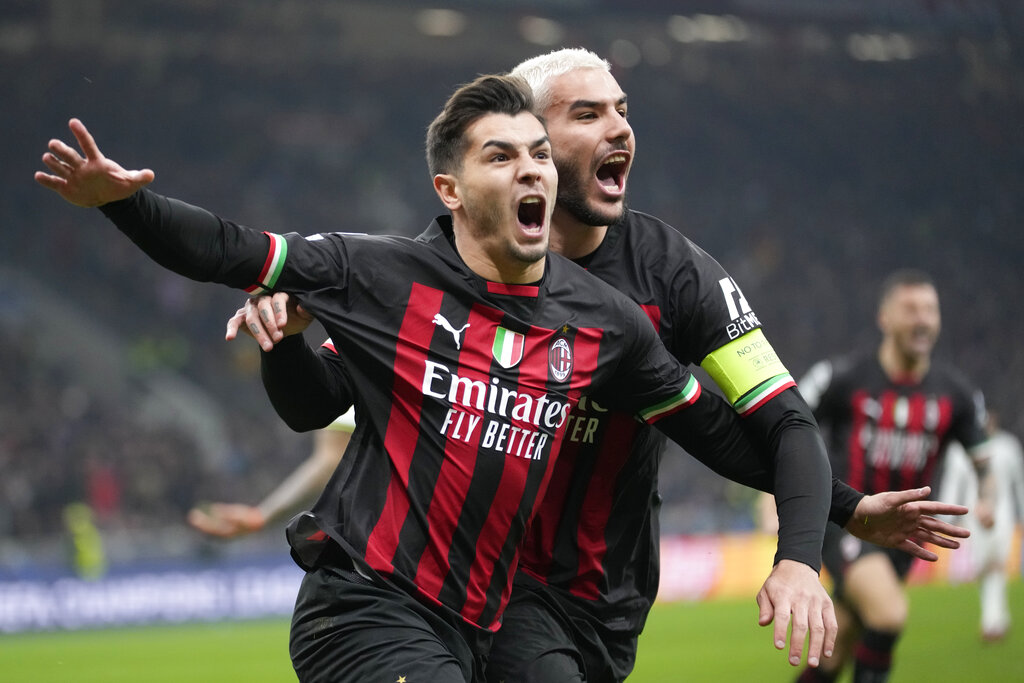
990, 546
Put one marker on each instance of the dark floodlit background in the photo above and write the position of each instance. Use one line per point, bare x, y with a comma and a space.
810, 145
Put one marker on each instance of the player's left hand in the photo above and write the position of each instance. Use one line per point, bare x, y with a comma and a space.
904, 520
792, 592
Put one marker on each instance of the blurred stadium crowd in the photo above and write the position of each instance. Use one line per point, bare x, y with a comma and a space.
809, 163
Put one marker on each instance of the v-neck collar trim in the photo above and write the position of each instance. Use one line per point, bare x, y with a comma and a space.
439, 234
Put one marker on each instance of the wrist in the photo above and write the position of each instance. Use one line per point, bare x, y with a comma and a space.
812, 563
287, 345
792, 564
257, 518
860, 514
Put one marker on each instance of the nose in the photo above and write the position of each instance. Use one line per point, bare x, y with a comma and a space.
619, 128
529, 170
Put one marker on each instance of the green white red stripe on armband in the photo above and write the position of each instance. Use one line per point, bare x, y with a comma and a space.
685, 398
763, 392
272, 266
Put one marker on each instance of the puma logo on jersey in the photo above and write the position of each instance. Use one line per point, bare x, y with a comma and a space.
456, 334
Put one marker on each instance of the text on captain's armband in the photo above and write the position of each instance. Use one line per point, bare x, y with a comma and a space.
740, 326
758, 353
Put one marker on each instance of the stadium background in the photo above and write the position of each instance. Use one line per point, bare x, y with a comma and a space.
811, 145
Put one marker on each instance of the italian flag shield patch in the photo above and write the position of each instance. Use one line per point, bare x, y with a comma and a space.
508, 347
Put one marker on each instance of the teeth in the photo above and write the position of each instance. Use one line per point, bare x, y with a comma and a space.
616, 159
531, 200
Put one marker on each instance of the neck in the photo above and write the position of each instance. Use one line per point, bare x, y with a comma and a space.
898, 366
573, 239
505, 270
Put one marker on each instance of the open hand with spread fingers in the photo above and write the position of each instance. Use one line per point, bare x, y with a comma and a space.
88, 179
906, 520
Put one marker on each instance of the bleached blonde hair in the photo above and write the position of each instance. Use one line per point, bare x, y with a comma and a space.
538, 71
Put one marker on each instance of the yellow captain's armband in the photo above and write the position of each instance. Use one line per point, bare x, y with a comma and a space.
748, 371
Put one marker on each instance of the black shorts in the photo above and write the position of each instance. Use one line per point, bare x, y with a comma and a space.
547, 639
348, 628
841, 548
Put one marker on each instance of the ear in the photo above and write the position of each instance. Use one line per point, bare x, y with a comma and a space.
447, 189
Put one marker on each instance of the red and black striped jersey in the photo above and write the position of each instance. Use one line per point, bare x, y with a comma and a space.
596, 539
886, 435
464, 385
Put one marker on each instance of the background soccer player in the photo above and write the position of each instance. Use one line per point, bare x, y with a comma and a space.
890, 411
990, 546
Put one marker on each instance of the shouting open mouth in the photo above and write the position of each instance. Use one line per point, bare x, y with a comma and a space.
611, 174
531, 215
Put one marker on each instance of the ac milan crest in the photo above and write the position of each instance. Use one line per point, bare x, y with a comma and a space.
560, 359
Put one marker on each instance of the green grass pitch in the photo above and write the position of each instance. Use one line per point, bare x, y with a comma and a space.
693, 642
721, 641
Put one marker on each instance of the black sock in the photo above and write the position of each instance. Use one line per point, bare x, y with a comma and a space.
873, 656
816, 675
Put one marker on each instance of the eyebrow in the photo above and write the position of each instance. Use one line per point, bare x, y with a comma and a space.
508, 146
593, 104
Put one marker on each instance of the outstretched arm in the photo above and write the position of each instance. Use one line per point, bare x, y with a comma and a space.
182, 238
229, 520
902, 519
803, 485
906, 519
711, 431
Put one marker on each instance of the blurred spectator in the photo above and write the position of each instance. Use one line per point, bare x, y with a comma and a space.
808, 174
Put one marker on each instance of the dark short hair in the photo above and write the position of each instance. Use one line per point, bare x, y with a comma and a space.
489, 94
905, 277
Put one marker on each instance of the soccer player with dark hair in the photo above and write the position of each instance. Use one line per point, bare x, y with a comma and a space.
469, 347
890, 412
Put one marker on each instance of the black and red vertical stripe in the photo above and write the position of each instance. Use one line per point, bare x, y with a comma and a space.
458, 503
